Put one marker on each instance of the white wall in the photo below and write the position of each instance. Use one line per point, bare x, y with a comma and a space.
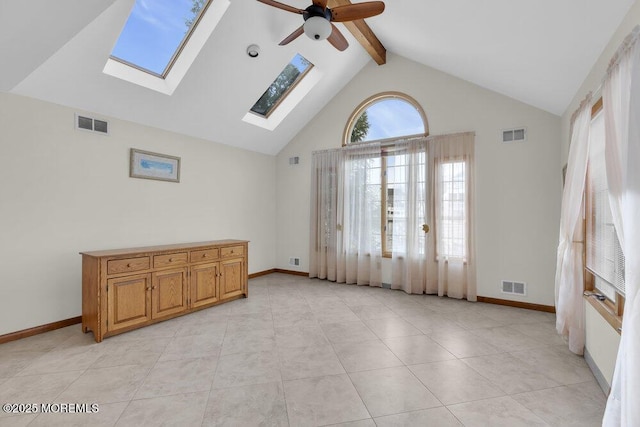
602, 340
518, 185
63, 191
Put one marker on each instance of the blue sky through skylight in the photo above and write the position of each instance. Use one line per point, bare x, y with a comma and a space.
153, 33
392, 117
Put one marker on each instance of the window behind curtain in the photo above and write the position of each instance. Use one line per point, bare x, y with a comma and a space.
453, 209
396, 173
452, 205
604, 254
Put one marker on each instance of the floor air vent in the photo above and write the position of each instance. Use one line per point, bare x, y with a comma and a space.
92, 125
514, 288
514, 135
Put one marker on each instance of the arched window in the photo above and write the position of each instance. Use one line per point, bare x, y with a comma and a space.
386, 115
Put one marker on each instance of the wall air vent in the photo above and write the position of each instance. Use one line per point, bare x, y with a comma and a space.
91, 124
514, 135
294, 261
514, 288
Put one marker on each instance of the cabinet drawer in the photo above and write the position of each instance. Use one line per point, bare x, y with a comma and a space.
169, 260
126, 265
232, 251
204, 255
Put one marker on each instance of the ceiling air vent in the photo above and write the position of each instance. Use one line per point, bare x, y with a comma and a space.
93, 125
514, 135
514, 288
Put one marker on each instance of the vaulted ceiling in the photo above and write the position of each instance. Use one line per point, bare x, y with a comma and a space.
537, 52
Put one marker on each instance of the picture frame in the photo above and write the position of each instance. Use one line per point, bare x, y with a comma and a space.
149, 165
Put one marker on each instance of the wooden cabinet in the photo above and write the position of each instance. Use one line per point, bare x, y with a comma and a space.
124, 289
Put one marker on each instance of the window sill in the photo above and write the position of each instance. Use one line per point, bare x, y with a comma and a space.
606, 311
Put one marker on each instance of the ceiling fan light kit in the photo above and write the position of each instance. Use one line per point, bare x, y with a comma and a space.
317, 28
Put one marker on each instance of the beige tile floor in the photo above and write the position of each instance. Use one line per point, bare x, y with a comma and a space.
305, 352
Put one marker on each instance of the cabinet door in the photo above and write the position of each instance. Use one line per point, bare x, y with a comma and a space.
128, 301
169, 292
231, 278
204, 284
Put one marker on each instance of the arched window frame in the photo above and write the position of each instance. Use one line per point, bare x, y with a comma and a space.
387, 151
346, 137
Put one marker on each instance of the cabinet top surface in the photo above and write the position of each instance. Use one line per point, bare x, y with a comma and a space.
159, 248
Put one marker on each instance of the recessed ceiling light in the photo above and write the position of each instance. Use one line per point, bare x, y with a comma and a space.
253, 50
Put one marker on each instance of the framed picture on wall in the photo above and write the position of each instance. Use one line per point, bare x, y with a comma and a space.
148, 165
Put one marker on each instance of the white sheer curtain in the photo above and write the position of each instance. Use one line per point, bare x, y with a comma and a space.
409, 248
432, 178
326, 190
621, 107
435, 188
569, 270
361, 217
451, 262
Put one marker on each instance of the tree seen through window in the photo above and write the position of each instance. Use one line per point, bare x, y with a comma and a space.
292, 73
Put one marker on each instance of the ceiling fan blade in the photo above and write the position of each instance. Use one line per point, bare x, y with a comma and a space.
291, 37
320, 3
282, 6
351, 12
337, 39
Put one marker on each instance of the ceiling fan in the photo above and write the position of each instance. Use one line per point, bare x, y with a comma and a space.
318, 19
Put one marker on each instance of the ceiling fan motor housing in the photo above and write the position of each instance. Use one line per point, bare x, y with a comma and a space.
314, 10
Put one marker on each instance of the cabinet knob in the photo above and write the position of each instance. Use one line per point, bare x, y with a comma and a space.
170, 259
129, 265
232, 251
153, 287
204, 255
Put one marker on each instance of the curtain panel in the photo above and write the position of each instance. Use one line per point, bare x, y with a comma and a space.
361, 215
325, 254
409, 254
345, 242
452, 203
621, 107
569, 282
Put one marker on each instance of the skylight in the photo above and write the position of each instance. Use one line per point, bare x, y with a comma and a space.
282, 85
156, 32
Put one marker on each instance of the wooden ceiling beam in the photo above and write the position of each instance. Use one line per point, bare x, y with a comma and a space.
365, 36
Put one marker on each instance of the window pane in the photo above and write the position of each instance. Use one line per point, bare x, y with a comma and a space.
452, 224
396, 210
291, 74
154, 31
387, 118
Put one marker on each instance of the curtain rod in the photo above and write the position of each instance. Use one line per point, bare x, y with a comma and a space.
392, 142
